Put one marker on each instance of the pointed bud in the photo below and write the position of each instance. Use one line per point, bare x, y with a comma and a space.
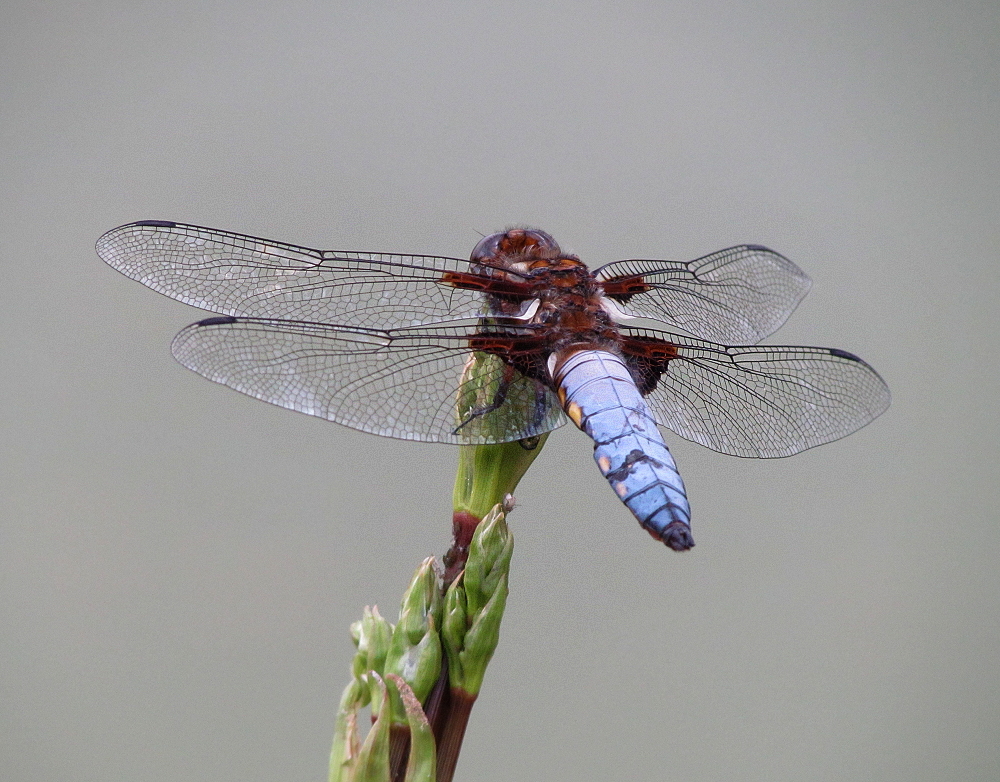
474, 604
373, 759
481, 641
371, 635
422, 763
421, 599
346, 741
489, 558
415, 648
455, 625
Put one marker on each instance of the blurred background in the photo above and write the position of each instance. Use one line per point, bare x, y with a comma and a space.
179, 564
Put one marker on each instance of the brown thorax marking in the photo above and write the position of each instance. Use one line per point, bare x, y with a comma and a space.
520, 264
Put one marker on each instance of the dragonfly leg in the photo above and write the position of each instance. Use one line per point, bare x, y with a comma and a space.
499, 397
541, 405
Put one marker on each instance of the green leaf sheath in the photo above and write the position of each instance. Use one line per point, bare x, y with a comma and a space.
474, 604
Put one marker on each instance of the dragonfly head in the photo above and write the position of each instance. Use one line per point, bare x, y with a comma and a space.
516, 249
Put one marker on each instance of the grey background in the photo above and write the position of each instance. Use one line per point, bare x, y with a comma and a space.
179, 564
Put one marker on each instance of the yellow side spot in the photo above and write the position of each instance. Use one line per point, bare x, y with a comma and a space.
605, 464
561, 393
575, 413
621, 489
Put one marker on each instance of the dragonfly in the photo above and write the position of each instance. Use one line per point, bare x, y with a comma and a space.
509, 344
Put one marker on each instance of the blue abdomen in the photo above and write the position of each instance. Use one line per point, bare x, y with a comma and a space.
600, 397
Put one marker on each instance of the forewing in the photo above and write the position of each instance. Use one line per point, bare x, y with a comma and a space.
409, 383
739, 295
233, 274
763, 401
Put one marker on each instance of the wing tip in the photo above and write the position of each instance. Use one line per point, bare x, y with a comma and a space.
109, 237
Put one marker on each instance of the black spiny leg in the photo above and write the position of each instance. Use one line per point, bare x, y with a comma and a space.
541, 404
499, 397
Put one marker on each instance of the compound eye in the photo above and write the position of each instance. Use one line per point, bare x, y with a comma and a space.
525, 242
488, 248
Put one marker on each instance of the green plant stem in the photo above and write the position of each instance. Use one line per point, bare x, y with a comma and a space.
486, 475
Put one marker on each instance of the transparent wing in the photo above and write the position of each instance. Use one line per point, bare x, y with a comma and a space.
241, 275
763, 401
412, 384
739, 295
